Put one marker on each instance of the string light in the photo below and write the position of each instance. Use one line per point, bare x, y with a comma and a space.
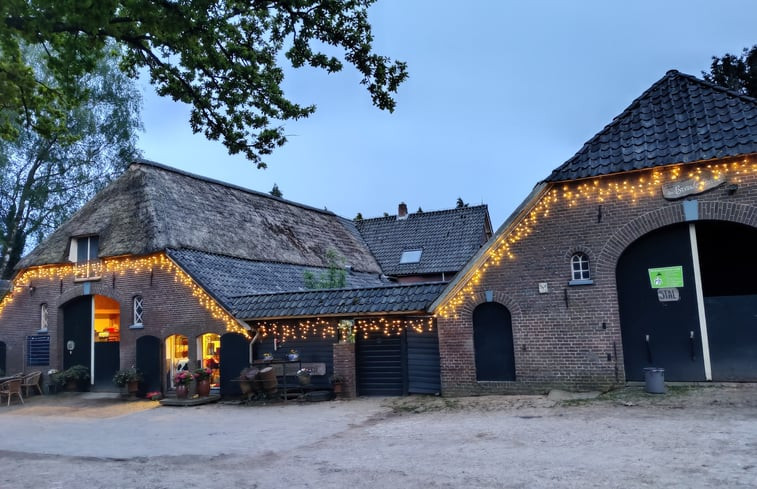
328, 328
630, 188
121, 266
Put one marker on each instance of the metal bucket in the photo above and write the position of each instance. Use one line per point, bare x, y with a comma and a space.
654, 380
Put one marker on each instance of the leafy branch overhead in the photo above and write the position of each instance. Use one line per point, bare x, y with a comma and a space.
223, 58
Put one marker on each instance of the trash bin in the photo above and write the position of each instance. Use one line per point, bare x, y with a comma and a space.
654, 380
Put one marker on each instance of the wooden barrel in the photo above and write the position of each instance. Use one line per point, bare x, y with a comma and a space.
267, 380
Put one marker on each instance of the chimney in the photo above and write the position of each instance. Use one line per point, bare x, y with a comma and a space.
402, 211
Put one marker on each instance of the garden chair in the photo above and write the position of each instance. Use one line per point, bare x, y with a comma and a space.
31, 380
10, 387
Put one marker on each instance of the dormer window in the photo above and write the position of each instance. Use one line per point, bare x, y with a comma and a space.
84, 252
410, 256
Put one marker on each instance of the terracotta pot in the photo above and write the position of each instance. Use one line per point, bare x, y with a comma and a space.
72, 385
337, 387
132, 387
203, 388
182, 391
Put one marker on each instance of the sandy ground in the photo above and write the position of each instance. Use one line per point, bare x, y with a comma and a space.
687, 438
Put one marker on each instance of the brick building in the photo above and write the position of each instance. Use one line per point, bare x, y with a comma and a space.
165, 270
636, 252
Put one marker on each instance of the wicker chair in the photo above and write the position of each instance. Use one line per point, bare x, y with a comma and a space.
31, 381
10, 387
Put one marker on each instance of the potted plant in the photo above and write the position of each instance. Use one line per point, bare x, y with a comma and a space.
267, 356
128, 377
73, 378
202, 375
293, 355
337, 382
181, 381
303, 376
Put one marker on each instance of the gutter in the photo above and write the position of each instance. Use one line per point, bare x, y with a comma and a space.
481, 256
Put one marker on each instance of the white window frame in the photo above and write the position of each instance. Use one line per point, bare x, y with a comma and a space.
90, 268
44, 317
138, 309
580, 270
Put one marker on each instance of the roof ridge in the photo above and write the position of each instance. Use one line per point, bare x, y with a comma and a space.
715, 86
161, 166
440, 211
342, 289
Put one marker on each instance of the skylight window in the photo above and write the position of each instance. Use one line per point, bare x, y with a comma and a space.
411, 256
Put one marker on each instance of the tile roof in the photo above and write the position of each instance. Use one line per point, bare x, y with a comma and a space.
679, 119
225, 277
448, 239
327, 302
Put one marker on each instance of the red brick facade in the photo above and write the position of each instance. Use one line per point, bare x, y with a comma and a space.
570, 336
344, 366
171, 306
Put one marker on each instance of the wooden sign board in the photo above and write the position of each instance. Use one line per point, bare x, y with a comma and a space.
690, 186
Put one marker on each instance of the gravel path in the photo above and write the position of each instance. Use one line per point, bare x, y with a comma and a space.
688, 438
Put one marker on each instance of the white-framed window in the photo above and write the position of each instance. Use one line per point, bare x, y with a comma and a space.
84, 252
43, 317
579, 264
138, 309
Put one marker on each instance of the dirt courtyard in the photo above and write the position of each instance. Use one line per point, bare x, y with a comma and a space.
690, 437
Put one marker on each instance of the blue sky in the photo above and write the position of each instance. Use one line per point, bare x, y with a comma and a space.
499, 94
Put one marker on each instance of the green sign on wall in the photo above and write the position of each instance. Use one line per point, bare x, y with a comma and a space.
666, 277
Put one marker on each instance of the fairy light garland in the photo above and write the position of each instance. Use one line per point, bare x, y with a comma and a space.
643, 184
120, 266
327, 328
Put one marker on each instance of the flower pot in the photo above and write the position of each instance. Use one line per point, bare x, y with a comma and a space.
203, 388
293, 357
72, 385
132, 387
182, 391
304, 379
337, 387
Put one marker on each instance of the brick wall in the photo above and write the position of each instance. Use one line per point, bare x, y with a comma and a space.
169, 308
344, 365
570, 337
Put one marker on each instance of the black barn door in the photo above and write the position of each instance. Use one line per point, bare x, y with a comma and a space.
3, 365
107, 363
493, 342
423, 370
77, 328
149, 349
659, 333
235, 354
727, 257
380, 369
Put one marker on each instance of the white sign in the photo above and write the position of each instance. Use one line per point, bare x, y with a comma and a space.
668, 295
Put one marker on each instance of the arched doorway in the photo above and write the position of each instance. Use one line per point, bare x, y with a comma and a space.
209, 355
148, 362
493, 342
177, 357
696, 323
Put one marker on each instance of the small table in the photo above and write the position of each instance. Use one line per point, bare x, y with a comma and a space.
284, 368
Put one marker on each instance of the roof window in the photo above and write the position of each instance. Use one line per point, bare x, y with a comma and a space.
411, 256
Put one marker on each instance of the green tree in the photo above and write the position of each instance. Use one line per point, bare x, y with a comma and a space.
334, 277
222, 57
45, 176
460, 203
739, 73
358, 217
276, 192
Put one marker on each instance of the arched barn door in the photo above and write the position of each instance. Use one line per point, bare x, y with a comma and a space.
493, 342
687, 302
235, 355
3, 366
148, 362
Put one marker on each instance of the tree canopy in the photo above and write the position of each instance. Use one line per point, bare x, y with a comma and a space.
46, 175
739, 73
221, 57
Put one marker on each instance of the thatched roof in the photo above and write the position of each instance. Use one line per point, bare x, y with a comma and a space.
152, 208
